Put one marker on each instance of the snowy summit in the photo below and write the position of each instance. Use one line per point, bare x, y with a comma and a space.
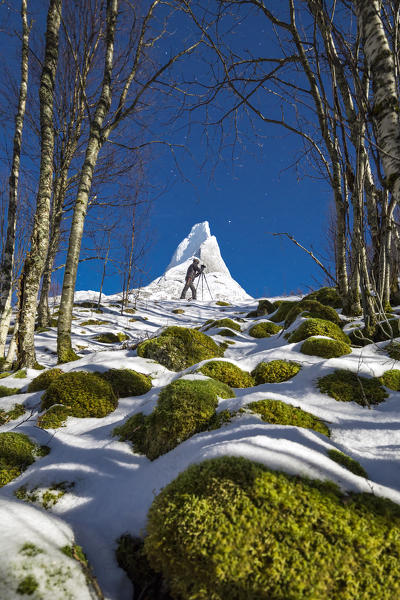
218, 283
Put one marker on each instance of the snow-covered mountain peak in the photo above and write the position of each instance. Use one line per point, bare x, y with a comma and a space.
200, 244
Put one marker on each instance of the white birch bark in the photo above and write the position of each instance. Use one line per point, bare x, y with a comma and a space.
6, 268
34, 262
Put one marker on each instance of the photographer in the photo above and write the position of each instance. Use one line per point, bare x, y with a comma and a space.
191, 274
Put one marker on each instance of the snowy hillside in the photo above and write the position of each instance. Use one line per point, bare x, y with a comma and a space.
107, 488
218, 283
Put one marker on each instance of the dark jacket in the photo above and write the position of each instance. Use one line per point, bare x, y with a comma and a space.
192, 272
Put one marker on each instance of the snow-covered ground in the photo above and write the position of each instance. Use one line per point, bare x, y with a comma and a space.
113, 487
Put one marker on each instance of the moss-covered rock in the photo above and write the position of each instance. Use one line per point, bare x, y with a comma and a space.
387, 330
325, 347
178, 311
227, 333
54, 417
87, 304
227, 373
129, 311
265, 307
264, 329
82, 394
14, 413
312, 308
347, 386
178, 348
17, 452
391, 379
6, 391
393, 350
111, 338
43, 380
275, 371
313, 327
184, 408
222, 303
348, 463
283, 307
90, 322
326, 295
224, 323
231, 528
127, 382
280, 413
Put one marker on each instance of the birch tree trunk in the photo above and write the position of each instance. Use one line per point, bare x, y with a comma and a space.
6, 268
34, 262
95, 142
385, 110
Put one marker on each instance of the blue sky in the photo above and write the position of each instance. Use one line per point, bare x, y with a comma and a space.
245, 195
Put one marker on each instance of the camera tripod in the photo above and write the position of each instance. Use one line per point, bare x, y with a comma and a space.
203, 279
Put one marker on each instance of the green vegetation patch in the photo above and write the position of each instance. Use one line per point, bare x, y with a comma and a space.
393, 350
227, 373
127, 382
17, 452
43, 380
231, 528
325, 347
222, 303
346, 386
17, 411
275, 371
312, 327
21, 374
265, 307
184, 408
111, 338
82, 394
326, 295
263, 330
280, 413
178, 348
348, 463
27, 586
391, 379
227, 333
132, 559
6, 391
224, 323
314, 309
87, 304
387, 329
283, 306
178, 311
54, 417
129, 311
94, 322
45, 497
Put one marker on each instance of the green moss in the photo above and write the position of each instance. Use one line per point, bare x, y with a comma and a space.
21, 374
6, 391
43, 380
393, 350
252, 314
283, 306
184, 408
227, 373
94, 322
387, 329
47, 498
263, 330
324, 347
178, 311
12, 414
347, 386
75, 552
126, 382
29, 549
54, 417
17, 452
81, 394
178, 348
27, 586
265, 307
132, 559
312, 327
111, 338
227, 333
280, 413
391, 379
326, 295
231, 528
348, 463
221, 418
224, 323
129, 311
314, 309
275, 371
87, 304
222, 303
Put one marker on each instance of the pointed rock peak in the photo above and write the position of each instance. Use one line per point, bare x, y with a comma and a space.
190, 246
